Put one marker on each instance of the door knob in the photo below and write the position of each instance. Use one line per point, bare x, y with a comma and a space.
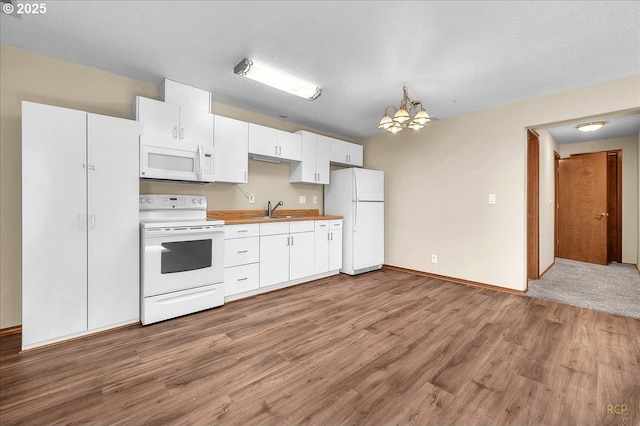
600, 215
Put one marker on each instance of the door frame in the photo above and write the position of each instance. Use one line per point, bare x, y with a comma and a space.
556, 173
533, 206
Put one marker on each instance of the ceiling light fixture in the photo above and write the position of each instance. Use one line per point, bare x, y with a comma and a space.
274, 78
590, 127
402, 116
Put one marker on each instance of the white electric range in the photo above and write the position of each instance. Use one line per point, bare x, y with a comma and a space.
182, 257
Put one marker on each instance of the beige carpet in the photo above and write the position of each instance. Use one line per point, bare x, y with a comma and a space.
614, 288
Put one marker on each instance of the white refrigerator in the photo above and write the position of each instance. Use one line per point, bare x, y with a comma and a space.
358, 196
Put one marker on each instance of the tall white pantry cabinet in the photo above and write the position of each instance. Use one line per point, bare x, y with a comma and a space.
80, 251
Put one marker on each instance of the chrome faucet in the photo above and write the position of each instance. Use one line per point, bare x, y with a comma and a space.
271, 210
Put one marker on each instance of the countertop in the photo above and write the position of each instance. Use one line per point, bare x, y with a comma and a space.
239, 217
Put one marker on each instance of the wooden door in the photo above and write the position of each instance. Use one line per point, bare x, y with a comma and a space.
533, 209
582, 208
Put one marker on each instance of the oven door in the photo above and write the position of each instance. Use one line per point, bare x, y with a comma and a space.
181, 258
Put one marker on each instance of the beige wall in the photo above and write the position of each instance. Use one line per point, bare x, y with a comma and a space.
33, 77
438, 180
629, 147
547, 199
638, 183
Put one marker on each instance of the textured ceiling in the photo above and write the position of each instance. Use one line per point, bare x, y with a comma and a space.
457, 57
614, 127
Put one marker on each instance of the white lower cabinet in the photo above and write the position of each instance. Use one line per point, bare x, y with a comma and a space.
301, 250
286, 251
328, 245
241, 257
80, 249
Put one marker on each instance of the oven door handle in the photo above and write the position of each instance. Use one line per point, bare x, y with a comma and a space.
176, 233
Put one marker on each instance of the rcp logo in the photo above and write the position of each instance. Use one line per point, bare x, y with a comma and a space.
618, 409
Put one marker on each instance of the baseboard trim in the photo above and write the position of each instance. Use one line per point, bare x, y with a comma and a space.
456, 280
16, 329
638, 269
546, 270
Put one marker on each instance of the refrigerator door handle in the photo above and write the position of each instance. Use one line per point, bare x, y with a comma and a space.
355, 218
355, 179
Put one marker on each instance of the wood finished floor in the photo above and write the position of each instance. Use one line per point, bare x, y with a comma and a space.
382, 348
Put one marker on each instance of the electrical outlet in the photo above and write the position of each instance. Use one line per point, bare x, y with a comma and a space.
434, 258
302, 199
252, 198
315, 199
492, 198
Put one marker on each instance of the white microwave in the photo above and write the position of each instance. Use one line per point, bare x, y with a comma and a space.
171, 160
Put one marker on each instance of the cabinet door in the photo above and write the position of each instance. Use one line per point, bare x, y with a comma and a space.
339, 152
263, 140
274, 259
321, 263
113, 224
158, 118
289, 146
305, 170
356, 155
323, 150
196, 127
335, 245
301, 255
54, 231
231, 139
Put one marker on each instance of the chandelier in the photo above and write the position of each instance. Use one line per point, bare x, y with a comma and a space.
402, 117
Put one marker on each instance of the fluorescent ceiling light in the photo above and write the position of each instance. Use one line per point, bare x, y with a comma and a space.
273, 78
590, 127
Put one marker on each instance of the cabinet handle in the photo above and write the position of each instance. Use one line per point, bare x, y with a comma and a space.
288, 242
242, 251
322, 226
243, 230
331, 236
276, 149
318, 177
279, 150
181, 133
175, 133
346, 156
92, 219
328, 236
81, 221
243, 279
291, 240
245, 175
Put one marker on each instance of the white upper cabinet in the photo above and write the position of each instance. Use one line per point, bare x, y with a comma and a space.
173, 122
346, 153
314, 167
274, 144
231, 141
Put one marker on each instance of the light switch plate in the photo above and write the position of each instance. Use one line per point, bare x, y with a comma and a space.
302, 199
252, 198
492, 198
315, 199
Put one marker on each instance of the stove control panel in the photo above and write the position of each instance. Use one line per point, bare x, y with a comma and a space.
172, 202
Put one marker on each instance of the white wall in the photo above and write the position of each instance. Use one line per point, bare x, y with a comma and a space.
547, 199
437, 182
629, 147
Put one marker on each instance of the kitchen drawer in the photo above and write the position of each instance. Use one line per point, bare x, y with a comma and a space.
239, 279
301, 226
241, 231
336, 224
240, 251
274, 228
322, 225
